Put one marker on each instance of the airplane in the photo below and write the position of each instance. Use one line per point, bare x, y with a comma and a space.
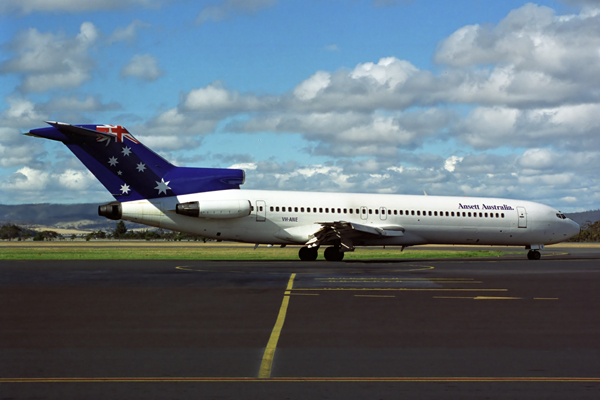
209, 202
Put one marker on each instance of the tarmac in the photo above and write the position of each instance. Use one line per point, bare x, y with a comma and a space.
502, 327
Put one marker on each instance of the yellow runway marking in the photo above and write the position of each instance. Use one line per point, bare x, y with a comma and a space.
301, 379
407, 289
267, 360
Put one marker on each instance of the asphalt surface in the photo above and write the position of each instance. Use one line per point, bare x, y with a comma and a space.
474, 329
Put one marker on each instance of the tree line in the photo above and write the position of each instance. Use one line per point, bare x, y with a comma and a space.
15, 232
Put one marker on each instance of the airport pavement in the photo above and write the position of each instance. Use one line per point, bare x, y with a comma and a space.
486, 328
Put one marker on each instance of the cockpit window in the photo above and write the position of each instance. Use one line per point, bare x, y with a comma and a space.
561, 215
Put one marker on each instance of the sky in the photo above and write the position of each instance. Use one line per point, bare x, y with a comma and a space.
461, 98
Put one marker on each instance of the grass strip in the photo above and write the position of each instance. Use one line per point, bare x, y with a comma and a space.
215, 253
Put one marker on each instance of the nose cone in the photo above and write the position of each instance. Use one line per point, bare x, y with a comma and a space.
573, 229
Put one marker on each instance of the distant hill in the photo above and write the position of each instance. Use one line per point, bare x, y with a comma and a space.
82, 217
583, 217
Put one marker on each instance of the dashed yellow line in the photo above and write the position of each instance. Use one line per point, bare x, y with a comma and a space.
267, 361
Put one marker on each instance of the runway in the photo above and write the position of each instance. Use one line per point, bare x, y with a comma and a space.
463, 328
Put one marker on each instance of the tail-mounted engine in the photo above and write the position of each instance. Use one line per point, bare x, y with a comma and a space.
217, 209
111, 210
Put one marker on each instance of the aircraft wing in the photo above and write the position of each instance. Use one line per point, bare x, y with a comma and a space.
347, 232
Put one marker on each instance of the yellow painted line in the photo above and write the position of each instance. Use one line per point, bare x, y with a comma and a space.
408, 289
370, 295
267, 361
497, 298
394, 279
304, 294
300, 379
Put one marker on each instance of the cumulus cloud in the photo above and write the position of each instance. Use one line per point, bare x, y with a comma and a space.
48, 61
226, 9
142, 66
73, 6
129, 33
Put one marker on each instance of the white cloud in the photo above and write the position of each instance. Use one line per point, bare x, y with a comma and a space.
309, 89
66, 63
450, 164
226, 9
142, 66
129, 33
73, 6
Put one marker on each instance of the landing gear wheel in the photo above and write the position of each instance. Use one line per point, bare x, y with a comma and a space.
333, 254
534, 255
308, 254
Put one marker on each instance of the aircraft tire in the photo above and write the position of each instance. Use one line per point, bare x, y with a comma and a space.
333, 254
534, 255
308, 254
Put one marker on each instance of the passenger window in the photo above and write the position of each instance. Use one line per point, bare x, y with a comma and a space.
412, 212
326, 210
350, 211
376, 211
277, 209
301, 209
295, 209
314, 209
418, 212
370, 211
486, 215
271, 208
502, 215
345, 211
496, 215
261, 208
395, 212
320, 209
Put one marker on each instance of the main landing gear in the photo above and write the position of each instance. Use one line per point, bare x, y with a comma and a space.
533, 255
308, 254
331, 253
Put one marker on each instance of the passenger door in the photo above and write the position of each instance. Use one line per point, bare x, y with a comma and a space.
522, 217
261, 211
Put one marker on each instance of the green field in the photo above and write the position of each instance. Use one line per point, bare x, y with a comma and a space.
200, 251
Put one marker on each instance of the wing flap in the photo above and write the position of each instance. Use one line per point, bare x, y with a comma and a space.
346, 232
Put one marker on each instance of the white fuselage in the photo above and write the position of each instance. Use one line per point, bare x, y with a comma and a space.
279, 217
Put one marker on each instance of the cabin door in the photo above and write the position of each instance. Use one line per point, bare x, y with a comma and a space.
363, 213
522, 217
261, 210
383, 213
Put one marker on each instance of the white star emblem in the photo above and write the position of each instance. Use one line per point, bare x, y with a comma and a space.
113, 161
141, 167
162, 186
125, 188
126, 151
120, 173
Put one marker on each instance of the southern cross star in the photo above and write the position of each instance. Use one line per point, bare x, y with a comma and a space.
141, 167
113, 161
162, 186
125, 188
126, 151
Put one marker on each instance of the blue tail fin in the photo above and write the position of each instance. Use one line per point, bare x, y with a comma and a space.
130, 170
